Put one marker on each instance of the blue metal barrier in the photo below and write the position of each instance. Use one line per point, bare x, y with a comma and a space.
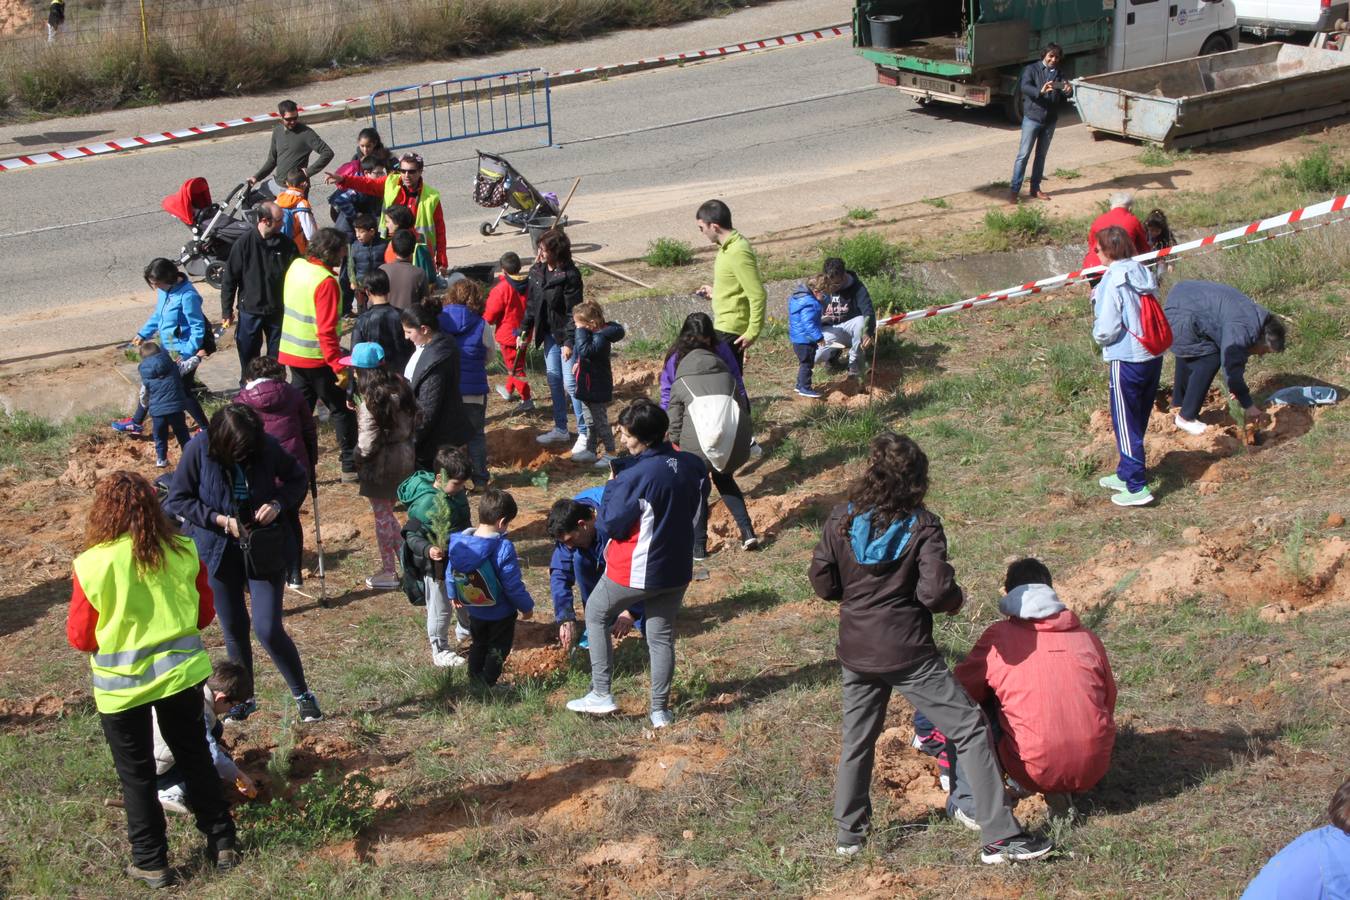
459, 108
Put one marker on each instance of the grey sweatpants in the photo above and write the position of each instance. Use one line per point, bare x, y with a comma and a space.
661, 606
850, 334
933, 690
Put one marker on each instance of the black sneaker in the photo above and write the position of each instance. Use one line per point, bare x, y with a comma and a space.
241, 711
1018, 848
223, 858
155, 878
308, 707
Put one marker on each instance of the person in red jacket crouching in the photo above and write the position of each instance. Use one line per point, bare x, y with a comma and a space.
1046, 683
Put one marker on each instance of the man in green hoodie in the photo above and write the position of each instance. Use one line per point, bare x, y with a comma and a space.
438, 506
737, 292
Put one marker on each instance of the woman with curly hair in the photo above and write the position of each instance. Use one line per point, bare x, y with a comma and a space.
138, 605
883, 558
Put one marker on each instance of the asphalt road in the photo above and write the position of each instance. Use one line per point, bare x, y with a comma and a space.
788, 137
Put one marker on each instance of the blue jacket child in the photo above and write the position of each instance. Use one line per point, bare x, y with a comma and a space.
595, 377
581, 566
164, 390
468, 553
804, 312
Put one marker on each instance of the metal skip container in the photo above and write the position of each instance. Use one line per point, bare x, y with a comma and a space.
1217, 97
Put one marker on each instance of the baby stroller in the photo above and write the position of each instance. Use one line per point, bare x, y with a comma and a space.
498, 184
215, 227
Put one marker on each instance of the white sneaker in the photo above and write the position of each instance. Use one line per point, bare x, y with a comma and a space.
958, 816
661, 718
594, 704
580, 445
848, 849
503, 392
461, 633
447, 659
750, 543
553, 436
1189, 426
756, 451
174, 800
583, 456
385, 581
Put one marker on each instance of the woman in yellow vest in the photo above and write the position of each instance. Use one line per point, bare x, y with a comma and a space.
139, 603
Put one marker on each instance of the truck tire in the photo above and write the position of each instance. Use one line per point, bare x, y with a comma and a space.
1012, 107
1215, 43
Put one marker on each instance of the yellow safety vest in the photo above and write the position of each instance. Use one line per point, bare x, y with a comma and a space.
299, 326
149, 646
424, 219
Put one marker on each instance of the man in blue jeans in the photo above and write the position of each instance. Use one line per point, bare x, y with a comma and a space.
1043, 92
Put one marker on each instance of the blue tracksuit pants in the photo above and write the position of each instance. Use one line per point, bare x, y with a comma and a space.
1134, 386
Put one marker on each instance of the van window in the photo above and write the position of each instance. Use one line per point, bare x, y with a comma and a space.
1141, 2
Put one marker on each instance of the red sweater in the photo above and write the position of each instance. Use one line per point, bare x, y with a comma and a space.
1125, 219
327, 307
374, 187
1056, 699
82, 621
505, 308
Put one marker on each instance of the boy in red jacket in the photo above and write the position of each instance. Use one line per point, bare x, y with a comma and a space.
506, 309
1047, 684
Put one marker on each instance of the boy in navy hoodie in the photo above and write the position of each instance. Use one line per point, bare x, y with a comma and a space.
486, 576
165, 398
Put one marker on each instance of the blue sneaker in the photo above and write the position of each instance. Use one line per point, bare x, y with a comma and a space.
126, 426
241, 711
807, 393
585, 642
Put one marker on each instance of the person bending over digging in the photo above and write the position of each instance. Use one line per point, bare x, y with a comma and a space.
883, 557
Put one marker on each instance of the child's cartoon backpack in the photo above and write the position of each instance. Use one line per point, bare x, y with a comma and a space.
478, 587
1155, 332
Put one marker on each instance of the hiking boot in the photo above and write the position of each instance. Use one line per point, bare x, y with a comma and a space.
174, 800
661, 718
384, 581
594, 704
154, 878
1189, 426
807, 393
223, 858
1018, 848
126, 426
1113, 483
308, 707
503, 392
241, 711
523, 407
553, 436
1141, 497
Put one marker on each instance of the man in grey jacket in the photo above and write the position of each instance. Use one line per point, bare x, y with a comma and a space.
292, 143
1216, 325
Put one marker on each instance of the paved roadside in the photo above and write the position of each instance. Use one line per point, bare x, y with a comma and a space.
781, 17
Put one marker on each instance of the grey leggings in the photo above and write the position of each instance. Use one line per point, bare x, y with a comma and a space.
661, 606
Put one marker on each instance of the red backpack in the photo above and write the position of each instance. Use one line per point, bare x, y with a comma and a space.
1155, 333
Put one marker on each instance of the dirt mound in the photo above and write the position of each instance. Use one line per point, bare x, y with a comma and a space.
38, 711
98, 455
1195, 456
851, 393
767, 514
516, 448
635, 378
15, 16
1283, 579
909, 777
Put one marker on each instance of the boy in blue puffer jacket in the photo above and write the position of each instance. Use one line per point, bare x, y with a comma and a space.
165, 397
462, 319
805, 307
485, 573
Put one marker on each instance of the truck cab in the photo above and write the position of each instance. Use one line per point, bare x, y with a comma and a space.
971, 52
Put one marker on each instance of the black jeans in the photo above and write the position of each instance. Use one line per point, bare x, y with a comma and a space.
1191, 383
249, 335
130, 738
320, 386
492, 640
735, 501
298, 532
737, 350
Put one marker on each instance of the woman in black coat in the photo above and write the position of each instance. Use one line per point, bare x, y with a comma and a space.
231, 487
553, 290
433, 372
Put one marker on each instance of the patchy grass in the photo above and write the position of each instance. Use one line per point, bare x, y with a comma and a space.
30, 443
937, 202
1068, 174
1157, 157
860, 214
667, 253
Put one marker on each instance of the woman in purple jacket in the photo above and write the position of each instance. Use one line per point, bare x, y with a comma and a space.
698, 329
287, 417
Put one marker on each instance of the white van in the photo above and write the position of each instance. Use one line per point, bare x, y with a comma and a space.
1155, 31
1267, 17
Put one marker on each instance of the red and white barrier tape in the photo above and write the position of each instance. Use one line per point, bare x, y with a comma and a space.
164, 137
1294, 217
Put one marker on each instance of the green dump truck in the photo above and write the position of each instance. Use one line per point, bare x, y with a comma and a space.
971, 52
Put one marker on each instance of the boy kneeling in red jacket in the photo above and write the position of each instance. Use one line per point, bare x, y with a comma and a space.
1045, 680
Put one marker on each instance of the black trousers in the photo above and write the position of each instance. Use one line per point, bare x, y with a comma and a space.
492, 640
735, 502
131, 740
1191, 383
737, 350
249, 334
320, 385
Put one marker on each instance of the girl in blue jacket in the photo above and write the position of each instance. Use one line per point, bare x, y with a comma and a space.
805, 307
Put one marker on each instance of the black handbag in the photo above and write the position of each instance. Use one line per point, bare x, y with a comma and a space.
264, 549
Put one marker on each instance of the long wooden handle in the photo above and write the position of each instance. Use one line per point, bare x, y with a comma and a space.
563, 208
609, 271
